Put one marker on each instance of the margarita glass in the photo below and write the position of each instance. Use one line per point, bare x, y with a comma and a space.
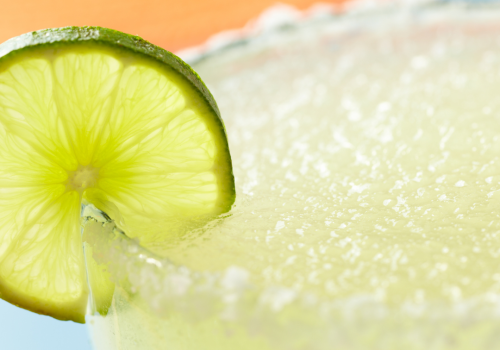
366, 155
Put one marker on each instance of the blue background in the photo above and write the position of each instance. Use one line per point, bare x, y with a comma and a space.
24, 330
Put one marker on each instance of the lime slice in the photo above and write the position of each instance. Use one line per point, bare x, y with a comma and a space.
94, 115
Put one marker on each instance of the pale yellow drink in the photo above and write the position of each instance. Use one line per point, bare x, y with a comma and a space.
366, 155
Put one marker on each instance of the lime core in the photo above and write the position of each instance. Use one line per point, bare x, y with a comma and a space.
82, 178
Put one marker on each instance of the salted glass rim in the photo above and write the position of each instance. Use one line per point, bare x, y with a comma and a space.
282, 17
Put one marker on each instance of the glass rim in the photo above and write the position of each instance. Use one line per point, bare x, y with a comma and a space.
281, 17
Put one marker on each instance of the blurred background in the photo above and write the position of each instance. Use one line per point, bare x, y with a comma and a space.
171, 24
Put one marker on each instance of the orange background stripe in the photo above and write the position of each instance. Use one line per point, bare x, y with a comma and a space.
172, 24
